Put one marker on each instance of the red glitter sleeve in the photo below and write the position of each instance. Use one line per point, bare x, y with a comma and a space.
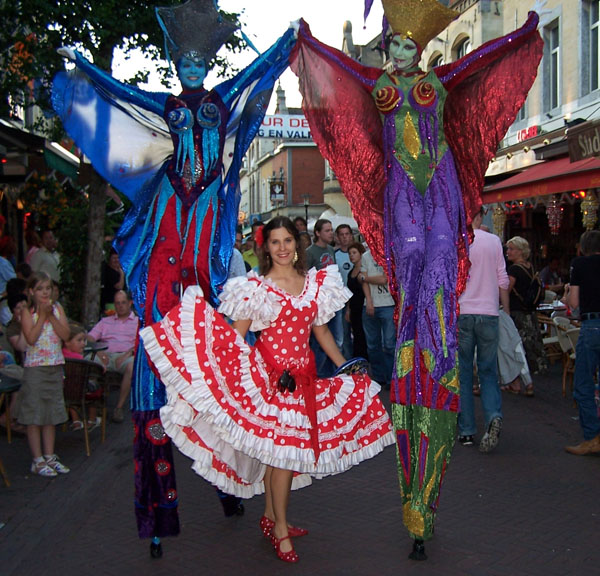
346, 127
486, 89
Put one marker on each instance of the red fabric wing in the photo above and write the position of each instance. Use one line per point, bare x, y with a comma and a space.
346, 127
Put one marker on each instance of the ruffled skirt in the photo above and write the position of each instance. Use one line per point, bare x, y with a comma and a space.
224, 410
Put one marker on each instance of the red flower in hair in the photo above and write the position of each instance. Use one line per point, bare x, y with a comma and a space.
258, 237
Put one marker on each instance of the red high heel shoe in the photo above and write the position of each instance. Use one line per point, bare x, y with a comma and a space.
266, 525
290, 556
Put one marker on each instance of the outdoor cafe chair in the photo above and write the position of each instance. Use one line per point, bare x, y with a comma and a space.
8, 386
563, 327
78, 373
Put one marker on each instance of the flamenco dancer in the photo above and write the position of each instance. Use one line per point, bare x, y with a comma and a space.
257, 419
177, 158
410, 149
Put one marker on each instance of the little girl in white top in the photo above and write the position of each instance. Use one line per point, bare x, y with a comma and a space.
44, 325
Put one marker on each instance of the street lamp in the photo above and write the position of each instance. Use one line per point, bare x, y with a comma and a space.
306, 199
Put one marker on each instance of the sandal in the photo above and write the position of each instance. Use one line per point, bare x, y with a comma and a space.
42, 469
510, 389
529, 391
76, 425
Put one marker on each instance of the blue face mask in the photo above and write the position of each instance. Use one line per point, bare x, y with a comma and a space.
191, 73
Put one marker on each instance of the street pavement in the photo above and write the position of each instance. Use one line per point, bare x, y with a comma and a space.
526, 509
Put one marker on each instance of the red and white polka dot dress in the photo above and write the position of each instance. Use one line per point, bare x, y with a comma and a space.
224, 408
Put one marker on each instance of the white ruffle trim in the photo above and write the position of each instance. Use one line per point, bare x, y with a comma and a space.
332, 295
247, 298
232, 442
250, 485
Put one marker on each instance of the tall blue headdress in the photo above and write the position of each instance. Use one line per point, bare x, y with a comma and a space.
195, 29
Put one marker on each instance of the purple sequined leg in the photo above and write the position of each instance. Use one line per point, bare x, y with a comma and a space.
155, 488
423, 232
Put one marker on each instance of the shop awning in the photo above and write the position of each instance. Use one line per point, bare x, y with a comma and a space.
551, 177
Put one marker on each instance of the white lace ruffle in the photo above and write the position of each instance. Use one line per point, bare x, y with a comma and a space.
247, 298
332, 295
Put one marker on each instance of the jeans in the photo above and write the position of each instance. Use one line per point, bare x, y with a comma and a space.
347, 344
325, 367
478, 331
380, 333
587, 362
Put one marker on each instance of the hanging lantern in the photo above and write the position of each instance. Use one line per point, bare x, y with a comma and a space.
589, 211
554, 211
498, 220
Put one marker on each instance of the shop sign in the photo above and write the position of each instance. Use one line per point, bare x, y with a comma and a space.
277, 190
285, 127
527, 133
584, 141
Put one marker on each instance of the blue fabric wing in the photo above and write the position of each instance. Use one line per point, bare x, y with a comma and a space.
118, 127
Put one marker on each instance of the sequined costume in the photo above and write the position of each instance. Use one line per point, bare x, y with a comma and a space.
410, 150
177, 158
225, 409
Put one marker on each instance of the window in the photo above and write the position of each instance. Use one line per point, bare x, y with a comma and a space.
551, 66
463, 48
522, 114
436, 60
594, 48
554, 67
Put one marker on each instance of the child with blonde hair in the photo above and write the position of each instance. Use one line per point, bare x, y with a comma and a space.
44, 325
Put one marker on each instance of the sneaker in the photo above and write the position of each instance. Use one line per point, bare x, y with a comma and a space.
42, 469
490, 438
56, 465
76, 425
117, 415
466, 440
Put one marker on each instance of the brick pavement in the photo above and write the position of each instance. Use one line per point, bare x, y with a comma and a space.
526, 509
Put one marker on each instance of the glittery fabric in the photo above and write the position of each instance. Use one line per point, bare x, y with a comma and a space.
195, 26
181, 228
156, 490
484, 88
463, 113
424, 441
426, 230
346, 127
419, 20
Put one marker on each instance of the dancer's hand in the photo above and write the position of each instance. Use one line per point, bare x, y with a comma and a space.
538, 7
67, 52
295, 24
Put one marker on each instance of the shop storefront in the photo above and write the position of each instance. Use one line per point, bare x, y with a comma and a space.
550, 204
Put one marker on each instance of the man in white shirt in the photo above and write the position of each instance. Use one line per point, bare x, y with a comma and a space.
378, 320
478, 330
46, 259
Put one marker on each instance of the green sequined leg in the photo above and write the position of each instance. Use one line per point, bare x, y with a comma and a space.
424, 442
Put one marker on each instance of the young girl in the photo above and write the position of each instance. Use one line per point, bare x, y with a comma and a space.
73, 348
257, 419
42, 407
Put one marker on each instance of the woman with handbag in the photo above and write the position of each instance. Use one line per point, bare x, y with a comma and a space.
521, 275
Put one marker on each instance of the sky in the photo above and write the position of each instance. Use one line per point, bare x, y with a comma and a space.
267, 20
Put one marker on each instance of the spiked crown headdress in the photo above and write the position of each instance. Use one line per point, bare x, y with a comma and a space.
195, 28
